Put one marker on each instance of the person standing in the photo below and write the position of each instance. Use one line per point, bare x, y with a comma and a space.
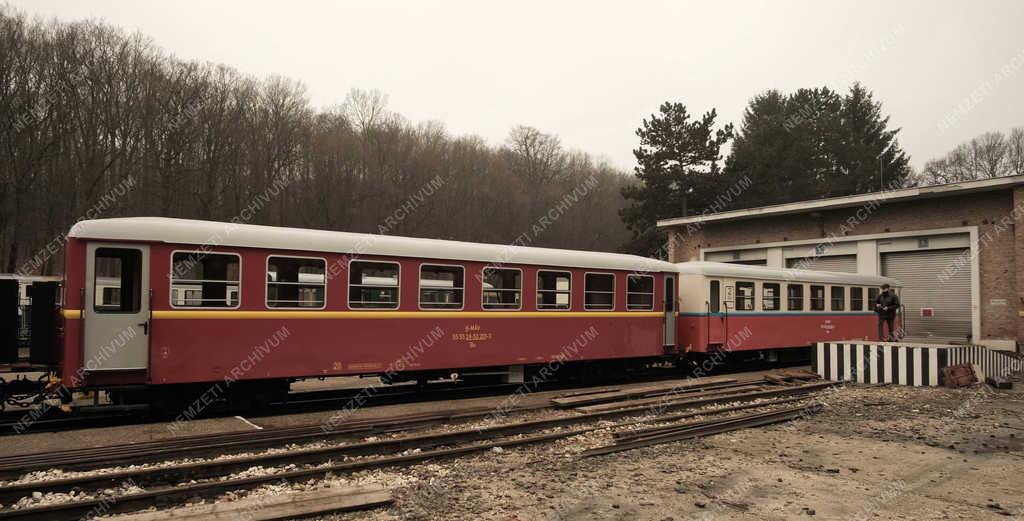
886, 305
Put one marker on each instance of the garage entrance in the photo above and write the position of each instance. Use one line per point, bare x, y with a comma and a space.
936, 292
840, 263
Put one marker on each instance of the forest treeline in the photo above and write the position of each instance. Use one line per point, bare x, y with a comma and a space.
95, 122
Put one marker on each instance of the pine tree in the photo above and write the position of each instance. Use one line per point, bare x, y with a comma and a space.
677, 169
870, 157
815, 143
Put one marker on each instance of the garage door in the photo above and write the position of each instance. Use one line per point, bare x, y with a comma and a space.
841, 263
932, 283
749, 262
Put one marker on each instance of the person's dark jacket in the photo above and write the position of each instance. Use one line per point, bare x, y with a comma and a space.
886, 304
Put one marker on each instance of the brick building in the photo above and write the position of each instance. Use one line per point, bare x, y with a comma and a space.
955, 247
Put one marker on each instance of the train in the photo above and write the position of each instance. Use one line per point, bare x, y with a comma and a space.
157, 310
773, 313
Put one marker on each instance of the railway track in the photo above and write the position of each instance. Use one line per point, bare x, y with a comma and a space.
51, 419
172, 483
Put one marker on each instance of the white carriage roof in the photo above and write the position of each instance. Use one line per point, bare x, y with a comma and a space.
741, 271
212, 234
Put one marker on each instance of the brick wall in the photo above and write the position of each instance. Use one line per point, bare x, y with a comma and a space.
991, 212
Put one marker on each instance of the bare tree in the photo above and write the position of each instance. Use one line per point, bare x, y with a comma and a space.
1015, 151
85, 108
366, 108
534, 155
989, 155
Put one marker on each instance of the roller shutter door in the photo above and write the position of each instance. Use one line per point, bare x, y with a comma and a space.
749, 262
931, 280
841, 263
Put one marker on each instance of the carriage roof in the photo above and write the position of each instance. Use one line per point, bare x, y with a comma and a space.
741, 271
213, 234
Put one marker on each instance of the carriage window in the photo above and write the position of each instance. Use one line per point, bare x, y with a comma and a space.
553, 289
744, 296
838, 298
205, 280
670, 294
817, 298
872, 297
502, 288
373, 285
117, 282
856, 299
599, 291
295, 283
639, 292
441, 287
770, 296
715, 297
795, 297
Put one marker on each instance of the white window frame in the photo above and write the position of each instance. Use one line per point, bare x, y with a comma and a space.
615, 282
711, 304
348, 286
803, 297
846, 298
538, 291
419, 287
652, 293
170, 285
778, 296
753, 295
267, 283
825, 297
100, 290
863, 299
521, 290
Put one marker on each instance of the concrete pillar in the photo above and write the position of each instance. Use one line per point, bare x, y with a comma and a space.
774, 257
868, 261
1017, 212
672, 245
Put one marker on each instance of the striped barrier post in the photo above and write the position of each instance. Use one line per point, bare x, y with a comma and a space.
905, 364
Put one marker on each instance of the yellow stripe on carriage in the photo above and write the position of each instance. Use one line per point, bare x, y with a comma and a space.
216, 314
256, 315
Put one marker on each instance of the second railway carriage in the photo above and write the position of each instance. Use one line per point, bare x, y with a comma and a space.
158, 308
756, 310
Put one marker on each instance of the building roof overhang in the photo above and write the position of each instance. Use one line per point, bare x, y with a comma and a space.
851, 201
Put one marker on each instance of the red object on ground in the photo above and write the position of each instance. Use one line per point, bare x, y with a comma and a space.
955, 376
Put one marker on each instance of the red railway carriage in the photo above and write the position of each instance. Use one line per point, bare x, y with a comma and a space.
157, 303
737, 308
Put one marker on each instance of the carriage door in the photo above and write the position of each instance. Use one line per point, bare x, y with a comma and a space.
716, 318
116, 307
670, 311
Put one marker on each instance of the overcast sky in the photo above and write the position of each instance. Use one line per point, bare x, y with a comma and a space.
590, 71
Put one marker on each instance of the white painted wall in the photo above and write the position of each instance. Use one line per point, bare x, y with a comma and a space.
867, 257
